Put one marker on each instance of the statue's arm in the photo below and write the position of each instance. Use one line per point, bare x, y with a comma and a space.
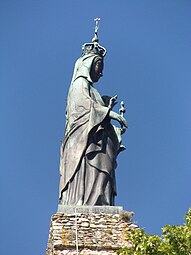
115, 116
83, 88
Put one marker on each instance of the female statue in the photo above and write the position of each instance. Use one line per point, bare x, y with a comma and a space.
91, 143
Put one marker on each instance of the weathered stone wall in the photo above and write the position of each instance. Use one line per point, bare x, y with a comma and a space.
88, 234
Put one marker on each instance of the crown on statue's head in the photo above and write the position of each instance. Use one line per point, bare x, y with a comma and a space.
94, 47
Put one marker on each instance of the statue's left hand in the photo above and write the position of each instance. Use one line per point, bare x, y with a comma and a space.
115, 116
122, 121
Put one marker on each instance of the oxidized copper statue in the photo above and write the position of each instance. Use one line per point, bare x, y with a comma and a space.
91, 143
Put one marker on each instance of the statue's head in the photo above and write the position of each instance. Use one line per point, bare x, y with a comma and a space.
96, 70
90, 64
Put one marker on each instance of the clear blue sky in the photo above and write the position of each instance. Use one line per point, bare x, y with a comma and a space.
148, 65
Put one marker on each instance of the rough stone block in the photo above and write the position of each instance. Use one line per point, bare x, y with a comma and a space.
88, 232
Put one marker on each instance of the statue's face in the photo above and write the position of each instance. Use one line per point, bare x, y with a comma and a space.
96, 70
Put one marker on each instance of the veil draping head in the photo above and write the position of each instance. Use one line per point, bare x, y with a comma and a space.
83, 66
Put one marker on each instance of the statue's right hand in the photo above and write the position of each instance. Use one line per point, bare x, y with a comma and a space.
112, 101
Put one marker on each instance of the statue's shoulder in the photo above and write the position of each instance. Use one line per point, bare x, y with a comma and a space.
80, 86
81, 82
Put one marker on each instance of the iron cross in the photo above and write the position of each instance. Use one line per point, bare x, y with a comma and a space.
96, 26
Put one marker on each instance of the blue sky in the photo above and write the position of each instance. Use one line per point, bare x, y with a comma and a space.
148, 66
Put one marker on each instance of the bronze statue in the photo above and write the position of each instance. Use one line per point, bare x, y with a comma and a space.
91, 143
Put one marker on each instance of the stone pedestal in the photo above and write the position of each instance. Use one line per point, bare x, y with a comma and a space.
88, 230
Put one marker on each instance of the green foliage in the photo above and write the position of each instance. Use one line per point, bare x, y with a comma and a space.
175, 240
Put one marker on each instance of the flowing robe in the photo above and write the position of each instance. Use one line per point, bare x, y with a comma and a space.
89, 150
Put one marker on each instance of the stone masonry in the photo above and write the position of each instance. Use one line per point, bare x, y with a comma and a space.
88, 233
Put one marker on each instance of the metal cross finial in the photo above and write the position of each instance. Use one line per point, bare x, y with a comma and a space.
96, 26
